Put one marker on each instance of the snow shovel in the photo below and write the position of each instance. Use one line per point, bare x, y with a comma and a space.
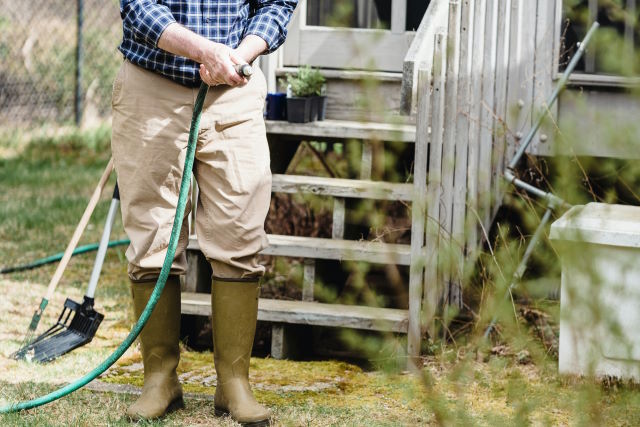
70, 332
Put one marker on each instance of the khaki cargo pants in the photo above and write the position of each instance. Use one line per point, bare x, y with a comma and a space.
151, 118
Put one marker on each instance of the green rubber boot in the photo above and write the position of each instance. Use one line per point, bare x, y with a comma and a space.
234, 307
161, 392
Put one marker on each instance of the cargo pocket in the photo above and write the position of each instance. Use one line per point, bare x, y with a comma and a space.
116, 93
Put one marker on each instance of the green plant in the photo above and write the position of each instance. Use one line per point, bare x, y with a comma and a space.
307, 82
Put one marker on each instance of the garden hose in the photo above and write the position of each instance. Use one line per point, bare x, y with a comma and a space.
57, 257
162, 279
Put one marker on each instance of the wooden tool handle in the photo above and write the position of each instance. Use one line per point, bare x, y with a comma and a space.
95, 197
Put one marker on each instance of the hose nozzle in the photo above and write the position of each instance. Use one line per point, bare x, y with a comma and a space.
245, 70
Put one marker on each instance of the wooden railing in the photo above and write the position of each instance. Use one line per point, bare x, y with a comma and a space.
492, 66
420, 53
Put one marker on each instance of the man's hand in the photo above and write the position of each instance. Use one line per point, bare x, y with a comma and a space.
218, 66
217, 60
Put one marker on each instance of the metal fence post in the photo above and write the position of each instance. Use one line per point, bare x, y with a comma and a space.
79, 60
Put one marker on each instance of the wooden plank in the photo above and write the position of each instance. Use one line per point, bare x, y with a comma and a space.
398, 16
342, 129
475, 100
461, 141
351, 48
521, 73
449, 140
420, 53
592, 117
500, 107
311, 313
355, 75
291, 47
340, 187
543, 75
340, 250
337, 226
366, 164
432, 279
418, 212
308, 279
601, 80
487, 114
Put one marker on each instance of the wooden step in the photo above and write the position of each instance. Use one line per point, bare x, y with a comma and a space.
311, 313
343, 130
338, 187
335, 249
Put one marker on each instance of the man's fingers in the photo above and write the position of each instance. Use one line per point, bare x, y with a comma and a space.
205, 75
231, 75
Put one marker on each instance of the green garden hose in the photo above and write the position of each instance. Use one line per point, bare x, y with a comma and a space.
162, 279
57, 257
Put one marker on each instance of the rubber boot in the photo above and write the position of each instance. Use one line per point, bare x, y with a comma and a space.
159, 338
234, 307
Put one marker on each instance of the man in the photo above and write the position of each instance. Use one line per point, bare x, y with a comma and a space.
169, 47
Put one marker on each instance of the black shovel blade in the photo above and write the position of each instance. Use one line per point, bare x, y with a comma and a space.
65, 335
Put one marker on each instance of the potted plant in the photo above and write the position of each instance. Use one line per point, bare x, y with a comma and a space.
303, 90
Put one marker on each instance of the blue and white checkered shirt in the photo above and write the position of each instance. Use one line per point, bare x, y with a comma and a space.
222, 21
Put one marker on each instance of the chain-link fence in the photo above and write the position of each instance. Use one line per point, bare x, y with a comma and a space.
58, 59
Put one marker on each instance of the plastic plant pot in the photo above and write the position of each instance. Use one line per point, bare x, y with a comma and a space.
299, 109
276, 106
321, 106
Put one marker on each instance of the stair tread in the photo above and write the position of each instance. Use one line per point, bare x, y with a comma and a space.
344, 129
335, 249
311, 313
340, 187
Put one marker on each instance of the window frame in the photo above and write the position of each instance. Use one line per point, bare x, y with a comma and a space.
590, 78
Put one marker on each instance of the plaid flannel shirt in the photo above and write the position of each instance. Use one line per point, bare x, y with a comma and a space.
222, 21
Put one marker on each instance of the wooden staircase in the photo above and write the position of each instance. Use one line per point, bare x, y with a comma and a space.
284, 314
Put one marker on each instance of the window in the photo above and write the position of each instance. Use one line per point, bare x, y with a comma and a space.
615, 49
362, 13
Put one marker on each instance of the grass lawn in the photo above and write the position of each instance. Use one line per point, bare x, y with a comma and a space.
45, 186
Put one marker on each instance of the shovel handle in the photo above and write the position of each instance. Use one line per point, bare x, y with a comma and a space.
95, 197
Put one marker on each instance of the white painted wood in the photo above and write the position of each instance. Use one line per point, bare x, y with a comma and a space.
602, 80
543, 75
337, 227
340, 187
591, 118
398, 16
500, 108
342, 129
291, 47
351, 48
340, 250
308, 279
489, 76
367, 160
475, 110
418, 212
461, 141
328, 73
277, 340
432, 277
449, 140
420, 53
311, 313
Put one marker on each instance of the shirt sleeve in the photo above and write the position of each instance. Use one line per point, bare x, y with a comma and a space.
269, 19
146, 18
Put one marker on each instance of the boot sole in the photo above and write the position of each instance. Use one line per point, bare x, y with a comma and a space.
175, 405
225, 413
